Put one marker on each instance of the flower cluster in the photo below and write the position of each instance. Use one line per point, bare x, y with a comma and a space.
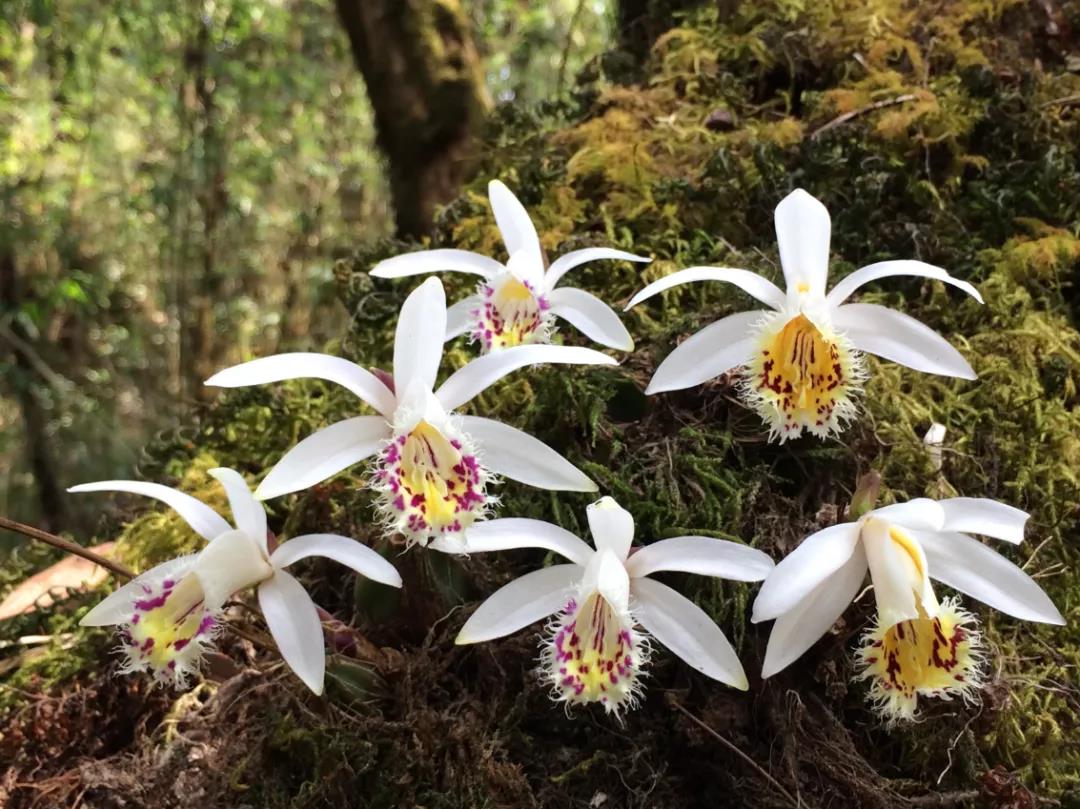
799, 364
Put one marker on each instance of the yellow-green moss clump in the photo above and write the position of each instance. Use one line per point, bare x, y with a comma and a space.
945, 132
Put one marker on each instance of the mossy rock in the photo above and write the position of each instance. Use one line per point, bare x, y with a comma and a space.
947, 132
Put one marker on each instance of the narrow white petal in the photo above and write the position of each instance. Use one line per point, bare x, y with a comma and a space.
885, 269
591, 316
459, 316
323, 454
425, 261
523, 601
684, 628
749, 282
980, 515
901, 338
967, 565
816, 560
702, 555
117, 607
203, 520
421, 332
803, 230
612, 527
560, 266
517, 455
920, 514
798, 629
341, 549
248, 513
485, 371
516, 227
303, 365
520, 532
716, 349
294, 622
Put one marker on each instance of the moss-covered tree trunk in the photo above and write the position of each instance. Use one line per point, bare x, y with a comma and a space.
424, 78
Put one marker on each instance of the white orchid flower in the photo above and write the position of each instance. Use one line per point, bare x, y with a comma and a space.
594, 651
918, 646
169, 615
516, 303
433, 465
802, 367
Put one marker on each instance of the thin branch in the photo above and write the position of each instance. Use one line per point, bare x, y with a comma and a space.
1065, 101
67, 546
571, 26
730, 746
847, 116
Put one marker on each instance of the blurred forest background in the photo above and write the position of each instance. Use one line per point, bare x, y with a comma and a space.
178, 179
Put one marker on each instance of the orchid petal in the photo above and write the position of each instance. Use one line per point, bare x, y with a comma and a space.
612, 527
511, 533
304, 365
714, 350
920, 514
900, 338
606, 574
294, 622
800, 627
203, 520
703, 556
523, 601
684, 628
591, 316
816, 560
459, 316
425, 261
967, 565
323, 454
248, 513
421, 332
341, 549
803, 230
979, 515
518, 232
564, 263
886, 269
898, 568
512, 453
749, 282
485, 371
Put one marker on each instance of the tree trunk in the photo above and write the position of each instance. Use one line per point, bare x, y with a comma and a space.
425, 82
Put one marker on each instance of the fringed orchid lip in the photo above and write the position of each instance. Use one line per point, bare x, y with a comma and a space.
432, 467
431, 483
802, 377
517, 303
607, 611
167, 617
510, 312
929, 656
924, 648
801, 356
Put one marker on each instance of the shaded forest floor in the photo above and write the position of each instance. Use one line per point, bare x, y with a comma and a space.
948, 134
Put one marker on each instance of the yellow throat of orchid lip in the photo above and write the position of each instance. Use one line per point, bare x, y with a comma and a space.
510, 313
935, 656
800, 379
431, 483
595, 655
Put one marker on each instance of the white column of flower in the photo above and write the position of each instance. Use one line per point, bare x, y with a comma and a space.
918, 645
800, 358
169, 615
516, 303
594, 650
433, 466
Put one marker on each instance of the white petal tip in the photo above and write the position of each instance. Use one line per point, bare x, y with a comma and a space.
627, 346
590, 486
741, 685
463, 640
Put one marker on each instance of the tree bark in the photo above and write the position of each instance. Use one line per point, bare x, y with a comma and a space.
425, 82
